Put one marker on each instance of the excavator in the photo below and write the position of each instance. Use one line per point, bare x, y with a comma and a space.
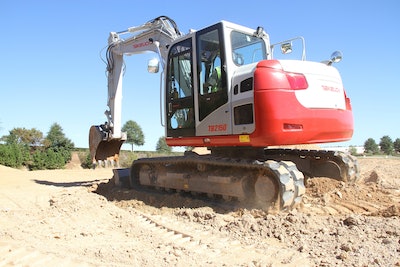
222, 89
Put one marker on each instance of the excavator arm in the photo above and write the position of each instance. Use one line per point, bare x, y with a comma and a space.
105, 140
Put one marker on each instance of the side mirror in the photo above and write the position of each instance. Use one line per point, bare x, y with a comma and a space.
153, 65
336, 56
286, 48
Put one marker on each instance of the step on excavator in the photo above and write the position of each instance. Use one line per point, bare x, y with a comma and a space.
223, 89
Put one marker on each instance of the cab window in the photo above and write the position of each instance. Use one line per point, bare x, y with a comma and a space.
247, 49
180, 115
211, 73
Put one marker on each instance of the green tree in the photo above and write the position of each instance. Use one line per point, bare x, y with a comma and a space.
28, 147
29, 137
370, 146
162, 146
58, 143
396, 145
47, 159
353, 150
56, 137
13, 155
386, 145
134, 133
18, 145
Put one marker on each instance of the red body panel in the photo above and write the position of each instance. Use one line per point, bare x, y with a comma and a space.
280, 118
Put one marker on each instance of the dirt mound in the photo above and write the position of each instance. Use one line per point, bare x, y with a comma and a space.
391, 211
335, 197
376, 192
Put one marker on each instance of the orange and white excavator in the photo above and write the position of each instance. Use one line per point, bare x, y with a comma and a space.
221, 88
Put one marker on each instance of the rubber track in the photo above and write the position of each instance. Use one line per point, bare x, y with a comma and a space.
351, 166
291, 180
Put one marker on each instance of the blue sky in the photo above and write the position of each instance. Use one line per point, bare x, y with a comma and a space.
51, 70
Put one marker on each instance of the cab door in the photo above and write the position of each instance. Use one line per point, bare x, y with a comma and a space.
179, 94
213, 111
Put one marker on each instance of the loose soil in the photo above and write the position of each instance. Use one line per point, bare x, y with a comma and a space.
78, 217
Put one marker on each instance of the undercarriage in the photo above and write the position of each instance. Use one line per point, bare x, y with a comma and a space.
320, 163
266, 178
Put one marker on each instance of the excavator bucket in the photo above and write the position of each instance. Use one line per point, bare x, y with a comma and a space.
103, 148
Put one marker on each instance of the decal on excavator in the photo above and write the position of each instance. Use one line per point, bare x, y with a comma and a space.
330, 88
142, 44
217, 128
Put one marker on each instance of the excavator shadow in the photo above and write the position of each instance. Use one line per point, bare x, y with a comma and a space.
69, 184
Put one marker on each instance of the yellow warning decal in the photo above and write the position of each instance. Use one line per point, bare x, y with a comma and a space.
244, 138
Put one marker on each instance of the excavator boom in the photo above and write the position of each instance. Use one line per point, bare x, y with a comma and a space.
105, 140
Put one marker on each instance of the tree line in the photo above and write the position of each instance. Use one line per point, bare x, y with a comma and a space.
32, 149
386, 146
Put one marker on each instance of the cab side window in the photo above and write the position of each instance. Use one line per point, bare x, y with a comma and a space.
212, 77
180, 115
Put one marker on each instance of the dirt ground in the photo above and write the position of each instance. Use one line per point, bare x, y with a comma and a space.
77, 217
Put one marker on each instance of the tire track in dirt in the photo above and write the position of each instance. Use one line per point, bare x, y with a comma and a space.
213, 245
14, 255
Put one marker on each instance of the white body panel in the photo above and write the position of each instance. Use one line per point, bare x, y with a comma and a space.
325, 87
